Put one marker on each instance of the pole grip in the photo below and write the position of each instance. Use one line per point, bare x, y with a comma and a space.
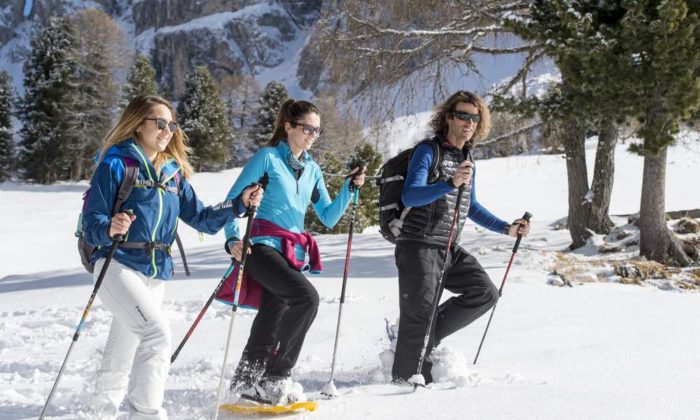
525, 217
362, 165
120, 238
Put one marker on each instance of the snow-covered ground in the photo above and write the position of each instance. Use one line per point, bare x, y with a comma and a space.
592, 351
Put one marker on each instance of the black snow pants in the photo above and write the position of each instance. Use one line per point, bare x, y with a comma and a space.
288, 309
419, 266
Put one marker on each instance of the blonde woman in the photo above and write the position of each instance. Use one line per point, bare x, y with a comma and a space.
137, 353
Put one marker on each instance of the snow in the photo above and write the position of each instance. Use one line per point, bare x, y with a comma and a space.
595, 350
218, 20
5, 15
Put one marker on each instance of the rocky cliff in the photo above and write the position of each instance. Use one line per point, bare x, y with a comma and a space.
231, 37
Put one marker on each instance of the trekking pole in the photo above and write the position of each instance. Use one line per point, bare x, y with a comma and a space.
418, 378
329, 390
525, 217
115, 243
201, 313
239, 278
204, 309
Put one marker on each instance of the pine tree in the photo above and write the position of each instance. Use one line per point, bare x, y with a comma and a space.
141, 80
50, 90
641, 63
7, 144
272, 99
367, 213
571, 108
203, 118
660, 89
331, 165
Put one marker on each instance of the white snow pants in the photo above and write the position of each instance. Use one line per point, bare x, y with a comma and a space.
139, 341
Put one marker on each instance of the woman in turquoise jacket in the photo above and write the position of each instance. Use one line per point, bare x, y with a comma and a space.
146, 135
279, 251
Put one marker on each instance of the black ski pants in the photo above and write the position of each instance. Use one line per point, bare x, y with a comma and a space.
419, 266
288, 309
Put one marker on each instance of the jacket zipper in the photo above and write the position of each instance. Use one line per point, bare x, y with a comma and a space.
160, 213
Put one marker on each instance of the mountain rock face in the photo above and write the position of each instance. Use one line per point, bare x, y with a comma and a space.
158, 13
247, 41
11, 13
230, 37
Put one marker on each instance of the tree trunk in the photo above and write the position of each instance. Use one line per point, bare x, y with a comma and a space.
656, 241
595, 209
77, 168
574, 147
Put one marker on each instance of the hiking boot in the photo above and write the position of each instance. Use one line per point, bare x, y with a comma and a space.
426, 371
248, 373
275, 390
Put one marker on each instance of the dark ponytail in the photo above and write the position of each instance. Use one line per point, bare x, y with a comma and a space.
290, 111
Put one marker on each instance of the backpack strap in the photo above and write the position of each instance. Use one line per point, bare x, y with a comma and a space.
178, 191
437, 156
131, 174
434, 142
150, 247
152, 184
177, 177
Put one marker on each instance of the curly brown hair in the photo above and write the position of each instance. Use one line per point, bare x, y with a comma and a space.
438, 122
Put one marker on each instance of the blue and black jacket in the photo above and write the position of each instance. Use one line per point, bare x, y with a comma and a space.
432, 203
157, 202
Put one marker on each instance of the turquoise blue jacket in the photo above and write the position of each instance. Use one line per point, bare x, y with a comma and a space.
157, 210
286, 196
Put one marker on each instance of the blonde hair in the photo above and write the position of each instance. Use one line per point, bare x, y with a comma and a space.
290, 111
138, 109
438, 122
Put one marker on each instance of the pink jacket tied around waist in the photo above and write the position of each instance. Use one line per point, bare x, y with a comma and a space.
251, 291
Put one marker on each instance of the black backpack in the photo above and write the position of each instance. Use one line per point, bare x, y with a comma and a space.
131, 176
391, 181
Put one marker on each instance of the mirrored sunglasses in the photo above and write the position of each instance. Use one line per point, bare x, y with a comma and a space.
466, 116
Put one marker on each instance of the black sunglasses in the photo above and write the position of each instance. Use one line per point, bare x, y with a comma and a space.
466, 116
161, 123
308, 129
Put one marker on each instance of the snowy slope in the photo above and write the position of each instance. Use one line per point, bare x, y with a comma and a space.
594, 351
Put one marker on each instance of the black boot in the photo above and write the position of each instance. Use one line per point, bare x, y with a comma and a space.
247, 374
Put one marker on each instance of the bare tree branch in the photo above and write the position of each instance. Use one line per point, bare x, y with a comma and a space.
512, 134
